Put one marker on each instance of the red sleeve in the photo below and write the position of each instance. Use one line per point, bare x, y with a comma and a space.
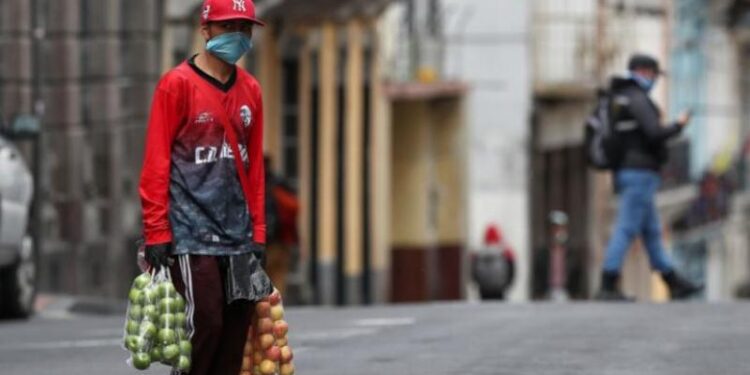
166, 114
257, 172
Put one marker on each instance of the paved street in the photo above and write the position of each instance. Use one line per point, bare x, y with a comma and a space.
533, 339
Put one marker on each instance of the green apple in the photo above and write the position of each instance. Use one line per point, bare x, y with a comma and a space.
141, 281
167, 336
143, 344
183, 364
186, 347
132, 327
181, 333
166, 289
179, 303
141, 361
155, 354
149, 296
148, 330
151, 313
167, 320
170, 352
136, 312
131, 342
167, 305
135, 343
134, 296
179, 319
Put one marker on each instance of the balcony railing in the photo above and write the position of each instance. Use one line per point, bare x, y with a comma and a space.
564, 45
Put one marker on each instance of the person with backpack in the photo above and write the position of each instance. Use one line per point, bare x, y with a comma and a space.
202, 187
493, 267
635, 145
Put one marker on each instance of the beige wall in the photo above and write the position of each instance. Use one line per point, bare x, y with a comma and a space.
427, 204
327, 150
354, 112
410, 174
381, 160
449, 154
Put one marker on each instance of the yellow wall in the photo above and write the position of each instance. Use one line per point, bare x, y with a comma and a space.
269, 75
410, 174
449, 146
380, 159
427, 204
327, 156
354, 112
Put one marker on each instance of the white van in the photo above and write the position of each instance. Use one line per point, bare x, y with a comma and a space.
18, 261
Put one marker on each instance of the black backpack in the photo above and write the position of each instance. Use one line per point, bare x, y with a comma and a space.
603, 148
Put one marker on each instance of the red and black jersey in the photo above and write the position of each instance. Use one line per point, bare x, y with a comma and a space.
190, 191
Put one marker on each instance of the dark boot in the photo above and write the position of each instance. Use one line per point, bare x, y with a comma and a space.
679, 287
610, 289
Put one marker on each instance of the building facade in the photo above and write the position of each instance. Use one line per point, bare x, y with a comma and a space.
86, 70
578, 44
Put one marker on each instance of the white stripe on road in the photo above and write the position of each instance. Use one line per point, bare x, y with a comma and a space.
385, 322
366, 327
334, 334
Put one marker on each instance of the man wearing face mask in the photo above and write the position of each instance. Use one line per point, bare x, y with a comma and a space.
202, 187
642, 141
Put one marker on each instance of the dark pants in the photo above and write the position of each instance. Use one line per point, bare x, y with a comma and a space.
218, 330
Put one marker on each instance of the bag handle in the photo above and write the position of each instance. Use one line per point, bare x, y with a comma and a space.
230, 135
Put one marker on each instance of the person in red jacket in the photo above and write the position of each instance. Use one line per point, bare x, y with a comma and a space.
493, 267
200, 218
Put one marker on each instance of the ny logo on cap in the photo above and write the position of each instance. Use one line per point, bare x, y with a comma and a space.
239, 5
206, 12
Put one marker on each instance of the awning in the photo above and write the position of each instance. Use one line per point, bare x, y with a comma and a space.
425, 91
315, 11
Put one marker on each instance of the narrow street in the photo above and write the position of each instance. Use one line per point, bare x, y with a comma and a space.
533, 339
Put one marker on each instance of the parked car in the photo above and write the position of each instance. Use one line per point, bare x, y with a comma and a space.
18, 258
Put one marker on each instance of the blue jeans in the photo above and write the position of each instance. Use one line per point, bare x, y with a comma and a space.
637, 216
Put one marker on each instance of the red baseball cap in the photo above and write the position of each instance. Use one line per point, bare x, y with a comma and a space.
223, 10
493, 236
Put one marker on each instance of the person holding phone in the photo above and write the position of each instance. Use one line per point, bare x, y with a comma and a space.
642, 141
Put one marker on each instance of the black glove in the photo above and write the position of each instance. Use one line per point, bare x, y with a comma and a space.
158, 255
260, 253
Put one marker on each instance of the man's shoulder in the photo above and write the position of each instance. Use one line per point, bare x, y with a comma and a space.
246, 78
175, 79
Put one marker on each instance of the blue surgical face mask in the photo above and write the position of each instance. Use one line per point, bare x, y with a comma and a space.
645, 83
229, 47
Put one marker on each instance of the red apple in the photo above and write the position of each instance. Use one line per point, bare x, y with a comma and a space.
282, 341
266, 341
267, 367
263, 309
280, 328
287, 369
277, 312
286, 354
273, 353
265, 325
275, 298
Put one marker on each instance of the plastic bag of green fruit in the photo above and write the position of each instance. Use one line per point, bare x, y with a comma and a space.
155, 326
